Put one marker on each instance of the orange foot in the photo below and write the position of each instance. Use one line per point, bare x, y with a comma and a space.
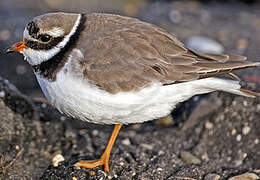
104, 160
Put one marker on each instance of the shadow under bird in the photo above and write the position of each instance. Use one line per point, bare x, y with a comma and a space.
111, 69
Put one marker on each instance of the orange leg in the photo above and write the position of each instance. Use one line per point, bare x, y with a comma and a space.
104, 160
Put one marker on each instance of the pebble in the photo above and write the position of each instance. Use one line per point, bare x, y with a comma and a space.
233, 132
92, 173
2, 94
258, 107
175, 16
74, 178
57, 159
147, 146
95, 133
245, 130
257, 171
190, 158
209, 125
126, 142
245, 103
205, 157
159, 169
239, 137
212, 177
62, 118
17, 147
145, 178
245, 176
256, 141
204, 45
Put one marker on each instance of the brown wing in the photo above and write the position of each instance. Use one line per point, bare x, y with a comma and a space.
125, 54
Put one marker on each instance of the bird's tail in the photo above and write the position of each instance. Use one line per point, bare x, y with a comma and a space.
231, 86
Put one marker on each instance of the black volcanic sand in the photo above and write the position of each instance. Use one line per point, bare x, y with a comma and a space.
32, 133
216, 134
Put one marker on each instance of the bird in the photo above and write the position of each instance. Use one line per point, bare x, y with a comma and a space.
112, 69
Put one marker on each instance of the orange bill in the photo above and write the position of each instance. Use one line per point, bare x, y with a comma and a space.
16, 48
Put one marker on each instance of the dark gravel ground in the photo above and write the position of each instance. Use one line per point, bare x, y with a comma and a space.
216, 134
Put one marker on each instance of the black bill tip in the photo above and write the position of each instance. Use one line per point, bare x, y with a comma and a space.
8, 50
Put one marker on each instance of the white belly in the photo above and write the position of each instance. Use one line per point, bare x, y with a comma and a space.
78, 98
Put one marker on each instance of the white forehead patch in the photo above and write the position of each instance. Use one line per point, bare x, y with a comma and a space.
26, 35
55, 32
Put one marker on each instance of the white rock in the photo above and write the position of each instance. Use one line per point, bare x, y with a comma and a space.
246, 130
204, 45
2, 94
239, 137
57, 159
126, 142
212, 177
245, 176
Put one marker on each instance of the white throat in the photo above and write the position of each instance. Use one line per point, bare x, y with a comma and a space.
36, 57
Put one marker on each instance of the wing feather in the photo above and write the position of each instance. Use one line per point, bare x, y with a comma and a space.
132, 55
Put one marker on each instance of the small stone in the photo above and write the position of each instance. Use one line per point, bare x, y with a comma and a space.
233, 132
257, 171
245, 176
205, 157
256, 141
245, 130
44, 105
258, 107
74, 178
245, 103
244, 155
165, 121
126, 142
239, 137
147, 146
20, 69
204, 45
57, 159
62, 118
212, 177
95, 133
159, 169
161, 152
175, 16
2, 94
92, 173
209, 125
190, 158
145, 178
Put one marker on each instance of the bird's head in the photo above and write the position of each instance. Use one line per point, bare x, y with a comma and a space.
46, 35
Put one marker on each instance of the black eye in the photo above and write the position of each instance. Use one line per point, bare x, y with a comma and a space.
44, 38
